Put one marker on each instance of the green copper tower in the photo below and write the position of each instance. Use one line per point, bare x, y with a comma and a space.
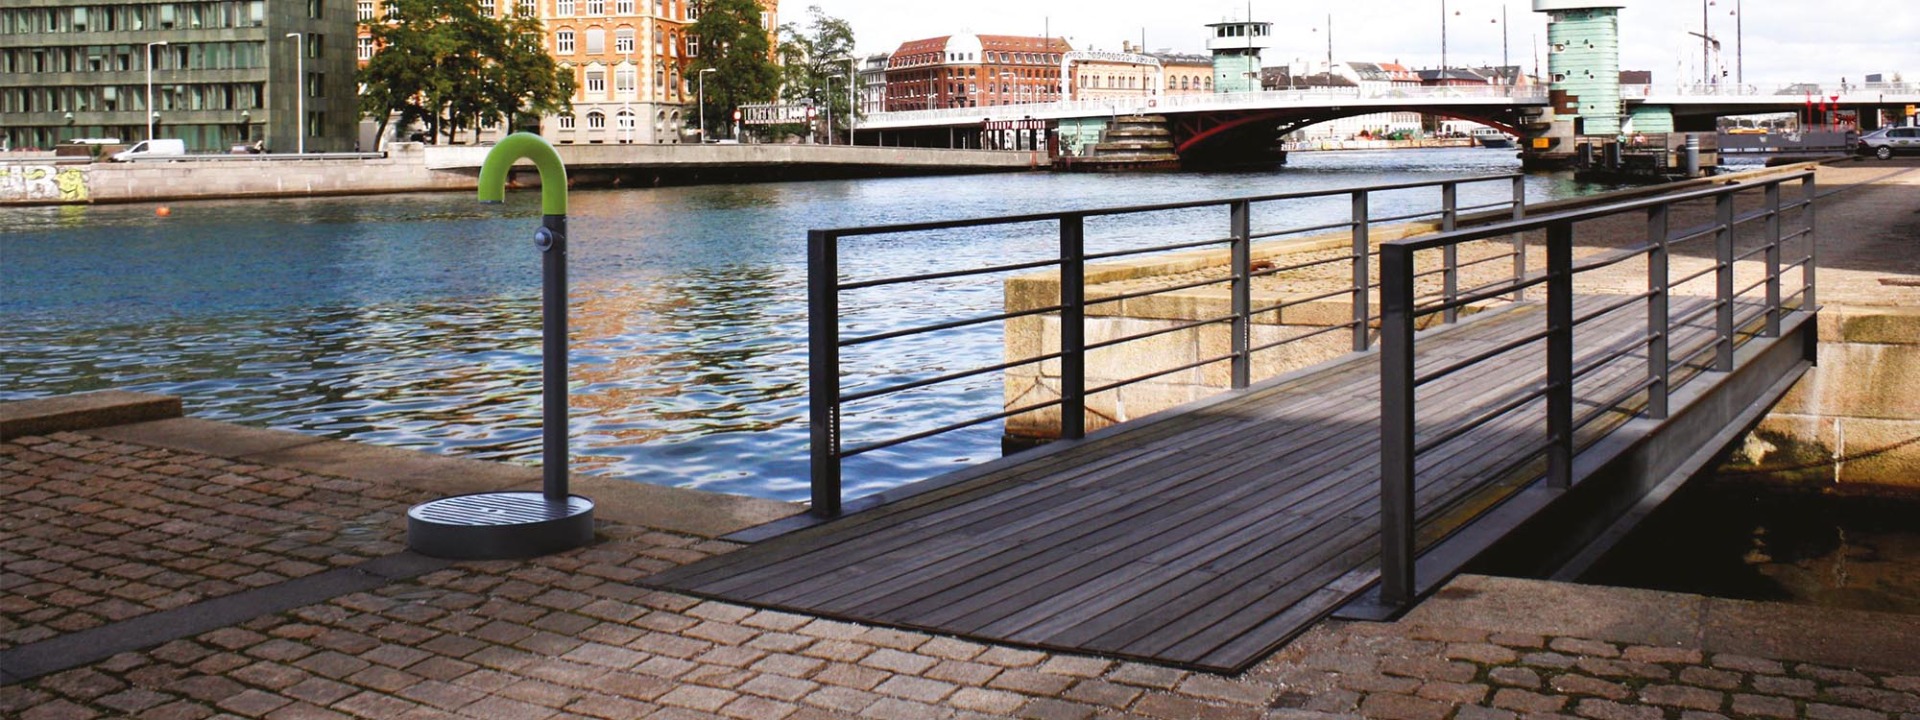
1583, 65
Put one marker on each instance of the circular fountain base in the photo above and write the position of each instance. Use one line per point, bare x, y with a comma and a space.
499, 526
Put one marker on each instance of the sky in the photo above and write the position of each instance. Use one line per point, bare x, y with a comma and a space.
1785, 40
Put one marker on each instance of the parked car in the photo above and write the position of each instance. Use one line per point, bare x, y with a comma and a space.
158, 147
1887, 142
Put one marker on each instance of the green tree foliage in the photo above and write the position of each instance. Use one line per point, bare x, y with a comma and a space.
444, 63
815, 65
739, 49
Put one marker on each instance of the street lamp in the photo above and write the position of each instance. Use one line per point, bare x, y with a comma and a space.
150, 110
830, 79
703, 102
300, 86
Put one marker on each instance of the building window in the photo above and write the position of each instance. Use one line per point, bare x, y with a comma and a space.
487, 6
563, 8
624, 119
623, 41
596, 83
596, 41
673, 44
366, 10
566, 122
366, 48
596, 7
659, 8
693, 10
528, 8
625, 78
693, 46
623, 7
596, 120
563, 42
313, 8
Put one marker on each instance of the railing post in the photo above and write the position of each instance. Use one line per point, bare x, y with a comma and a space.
1723, 247
1450, 255
1361, 275
1519, 239
1242, 293
1397, 410
1773, 259
1560, 355
1809, 192
823, 370
1659, 319
1073, 327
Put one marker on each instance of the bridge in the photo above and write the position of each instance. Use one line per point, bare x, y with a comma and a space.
1230, 124
1508, 388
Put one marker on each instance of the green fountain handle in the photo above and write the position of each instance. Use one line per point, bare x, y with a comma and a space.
553, 175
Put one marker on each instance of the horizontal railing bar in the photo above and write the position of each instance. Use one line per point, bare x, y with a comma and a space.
1488, 206
1750, 253
1301, 301
1756, 286
1687, 360
1295, 231
864, 284
1485, 260
1697, 314
836, 233
1157, 333
1615, 307
1493, 292
850, 398
865, 339
1573, 216
1455, 433
1297, 338
1109, 255
1613, 403
1158, 373
1482, 357
884, 444
1137, 294
1711, 269
1751, 215
1759, 314
1694, 233
1398, 218
1611, 357
1797, 234
1349, 257
1610, 258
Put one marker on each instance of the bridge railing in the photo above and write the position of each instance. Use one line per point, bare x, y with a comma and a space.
1737, 315
834, 389
1091, 107
1814, 91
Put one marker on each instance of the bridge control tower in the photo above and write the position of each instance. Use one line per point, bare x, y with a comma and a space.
1236, 47
1583, 66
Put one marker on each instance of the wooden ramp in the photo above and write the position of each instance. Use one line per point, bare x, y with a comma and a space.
1204, 537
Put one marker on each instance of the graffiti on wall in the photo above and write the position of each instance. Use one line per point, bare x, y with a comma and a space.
44, 183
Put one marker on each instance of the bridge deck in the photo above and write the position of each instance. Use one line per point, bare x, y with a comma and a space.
1204, 538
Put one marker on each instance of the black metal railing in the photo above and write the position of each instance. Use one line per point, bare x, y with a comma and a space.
1402, 443
826, 282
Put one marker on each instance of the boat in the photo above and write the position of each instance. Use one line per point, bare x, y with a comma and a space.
1491, 138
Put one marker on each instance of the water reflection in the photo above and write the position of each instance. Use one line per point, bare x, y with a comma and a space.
413, 321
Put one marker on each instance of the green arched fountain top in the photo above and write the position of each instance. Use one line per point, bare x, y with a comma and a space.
553, 175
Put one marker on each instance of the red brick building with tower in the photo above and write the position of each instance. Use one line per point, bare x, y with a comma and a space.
974, 70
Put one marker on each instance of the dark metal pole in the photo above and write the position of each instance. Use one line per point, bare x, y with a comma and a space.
1808, 190
1560, 355
552, 239
1519, 239
1242, 294
1450, 255
1773, 259
823, 369
1723, 245
1361, 272
1397, 410
1659, 318
1073, 327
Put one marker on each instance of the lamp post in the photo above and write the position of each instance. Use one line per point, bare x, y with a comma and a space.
300, 91
150, 110
703, 103
1443, 42
830, 79
626, 100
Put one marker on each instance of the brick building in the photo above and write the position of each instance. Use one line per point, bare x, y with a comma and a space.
974, 70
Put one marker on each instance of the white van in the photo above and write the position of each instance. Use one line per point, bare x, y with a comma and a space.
159, 147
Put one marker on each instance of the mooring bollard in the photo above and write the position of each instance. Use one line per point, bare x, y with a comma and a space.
506, 525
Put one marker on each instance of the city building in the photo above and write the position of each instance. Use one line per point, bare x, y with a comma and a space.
1236, 47
873, 84
220, 74
974, 70
629, 59
1375, 79
1187, 74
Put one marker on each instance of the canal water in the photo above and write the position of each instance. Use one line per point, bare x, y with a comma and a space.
413, 321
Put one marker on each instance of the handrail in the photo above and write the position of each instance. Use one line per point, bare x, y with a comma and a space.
1399, 378
828, 397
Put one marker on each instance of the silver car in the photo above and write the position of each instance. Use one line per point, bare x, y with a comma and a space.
1887, 142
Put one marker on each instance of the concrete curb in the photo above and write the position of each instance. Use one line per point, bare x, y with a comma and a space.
84, 411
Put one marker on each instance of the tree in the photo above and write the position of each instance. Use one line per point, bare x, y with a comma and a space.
445, 63
811, 57
735, 44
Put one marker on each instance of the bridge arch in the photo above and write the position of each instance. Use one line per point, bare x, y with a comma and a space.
1215, 133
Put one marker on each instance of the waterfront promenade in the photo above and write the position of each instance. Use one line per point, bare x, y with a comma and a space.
180, 568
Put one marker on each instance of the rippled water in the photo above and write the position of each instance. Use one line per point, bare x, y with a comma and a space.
413, 321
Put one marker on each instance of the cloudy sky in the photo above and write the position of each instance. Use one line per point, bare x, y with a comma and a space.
1785, 40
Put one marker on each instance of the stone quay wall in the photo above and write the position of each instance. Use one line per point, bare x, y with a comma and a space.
42, 182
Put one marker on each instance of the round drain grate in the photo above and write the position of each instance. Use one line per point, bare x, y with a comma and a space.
499, 526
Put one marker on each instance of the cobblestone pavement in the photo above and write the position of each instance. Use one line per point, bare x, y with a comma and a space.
573, 635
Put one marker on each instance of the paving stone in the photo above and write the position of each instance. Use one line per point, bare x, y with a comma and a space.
1824, 711
1874, 698
1149, 676
1832, 676
1710, 678
697, 697
1662, 655
1746, 705
1482, 653
1790, 687
1395, 706
1681, 696
991, 702
1457, 693
1514, 677
1743, 663
1172, 707
1601, 709
1581, 646
1571, 684
1527, 702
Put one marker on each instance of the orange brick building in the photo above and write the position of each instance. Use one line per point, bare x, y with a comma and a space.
974, 70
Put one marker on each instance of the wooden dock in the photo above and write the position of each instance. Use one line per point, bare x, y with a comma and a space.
1204, 537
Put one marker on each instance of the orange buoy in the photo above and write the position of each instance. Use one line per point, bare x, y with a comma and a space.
163, 211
